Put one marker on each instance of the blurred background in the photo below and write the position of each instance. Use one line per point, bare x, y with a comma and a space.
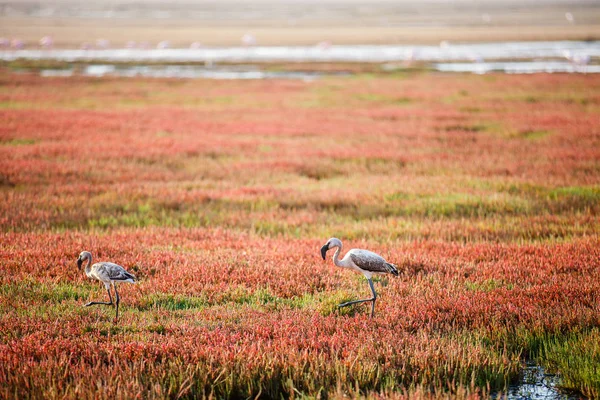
478, 36
185, 23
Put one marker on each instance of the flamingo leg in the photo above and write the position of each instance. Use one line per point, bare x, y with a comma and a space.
372, 299
118, 299
91, 303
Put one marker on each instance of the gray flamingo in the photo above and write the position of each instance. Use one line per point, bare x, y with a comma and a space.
106, 272
363, 261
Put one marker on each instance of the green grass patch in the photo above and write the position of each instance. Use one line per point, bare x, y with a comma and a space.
46, 292
329, 304
576, 359
587, 196
465, 128
14, 105
17, 141
487, 285
457, 205
382, 99
560, 199
534, 134
172, 302
260, 298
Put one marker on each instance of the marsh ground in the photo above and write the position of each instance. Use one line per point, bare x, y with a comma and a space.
218, 194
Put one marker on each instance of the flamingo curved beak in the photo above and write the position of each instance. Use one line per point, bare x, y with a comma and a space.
79, 262
324, 250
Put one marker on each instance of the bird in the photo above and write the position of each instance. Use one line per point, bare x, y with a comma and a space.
17, 44
363, 261
102, 44
578, 60
105, 272
165, 44
46, 42
248, 39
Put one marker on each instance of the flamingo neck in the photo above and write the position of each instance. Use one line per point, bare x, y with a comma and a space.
88, 266
336, 260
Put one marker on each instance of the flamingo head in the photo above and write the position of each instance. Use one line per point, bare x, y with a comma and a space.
331, 243
84, 255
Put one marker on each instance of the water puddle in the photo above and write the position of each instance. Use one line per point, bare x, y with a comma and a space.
536, 384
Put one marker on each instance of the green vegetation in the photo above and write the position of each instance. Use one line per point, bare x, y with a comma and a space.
575, 357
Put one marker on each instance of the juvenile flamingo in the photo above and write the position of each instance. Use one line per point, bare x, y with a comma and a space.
105, 272
364, 261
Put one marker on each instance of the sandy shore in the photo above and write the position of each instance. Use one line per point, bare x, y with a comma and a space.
72, 34
298, 23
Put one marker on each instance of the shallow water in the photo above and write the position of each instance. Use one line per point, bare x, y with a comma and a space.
481, 58
579, 50
254, 71
536, 384
525, 67
184, 71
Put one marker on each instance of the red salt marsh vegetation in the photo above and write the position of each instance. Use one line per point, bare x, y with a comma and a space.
218, 195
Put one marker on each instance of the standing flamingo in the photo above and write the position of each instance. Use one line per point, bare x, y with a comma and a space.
248, 39
46, 42
364, 261
105, 272
102, 44
164, 44
17, 44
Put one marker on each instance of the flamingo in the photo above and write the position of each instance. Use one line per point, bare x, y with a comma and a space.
363, 261
248, 39
570, 17
46, 42
578, 60
17, 44
105, 272
102, 43
165, 44
324, 45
